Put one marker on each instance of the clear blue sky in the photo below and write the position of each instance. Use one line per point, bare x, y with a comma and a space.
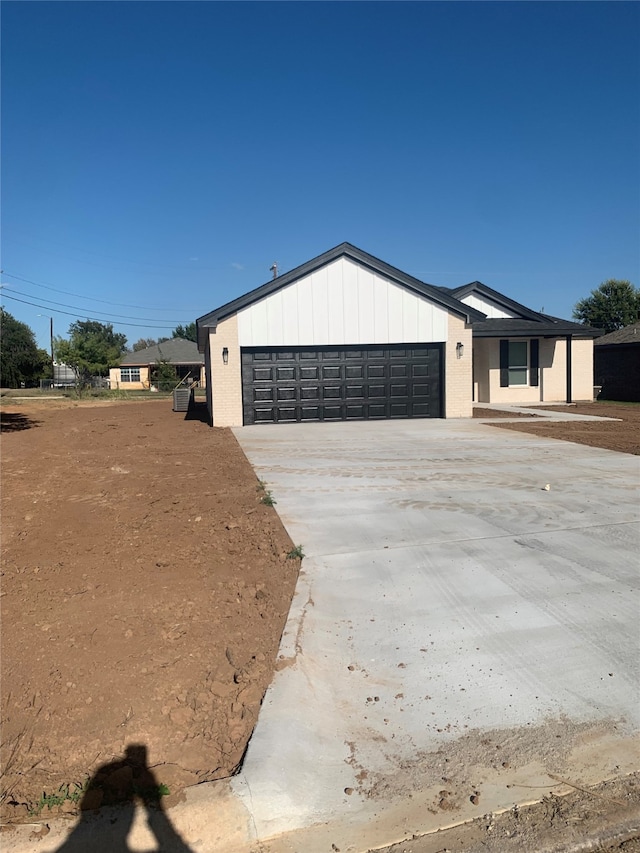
165, 154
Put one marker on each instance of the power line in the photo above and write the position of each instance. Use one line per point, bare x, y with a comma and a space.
80, 296
82, 316
104, 313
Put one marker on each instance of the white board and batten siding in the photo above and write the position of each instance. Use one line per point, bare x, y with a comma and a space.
339, 304
488, 307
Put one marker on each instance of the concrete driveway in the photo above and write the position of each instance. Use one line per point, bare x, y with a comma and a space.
461, 638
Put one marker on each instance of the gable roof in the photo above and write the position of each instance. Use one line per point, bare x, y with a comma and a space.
528, 323
627, 335
499, 298
175, 351
435, 294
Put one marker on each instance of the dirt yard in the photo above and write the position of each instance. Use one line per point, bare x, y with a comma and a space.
622, 435
145, 587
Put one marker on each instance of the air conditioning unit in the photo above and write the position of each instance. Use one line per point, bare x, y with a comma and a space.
182, 399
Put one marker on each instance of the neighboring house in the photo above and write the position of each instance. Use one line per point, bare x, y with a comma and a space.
345, 336
617, 364
136, 368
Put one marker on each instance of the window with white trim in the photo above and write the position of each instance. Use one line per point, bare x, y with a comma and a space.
129, 374
519, 363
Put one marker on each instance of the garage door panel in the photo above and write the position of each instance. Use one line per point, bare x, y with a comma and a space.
377, 411
286, 394
332, 393
377, 391
265, 415
399, 410
376, 371
263, 395
262, 374
311, 393
310, 413
331, 372
341, 383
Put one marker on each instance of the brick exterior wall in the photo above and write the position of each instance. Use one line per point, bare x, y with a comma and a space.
458, 371
617, 369
226, 379
553, 373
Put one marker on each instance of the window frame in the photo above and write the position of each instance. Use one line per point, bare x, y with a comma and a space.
531, 365
129, 371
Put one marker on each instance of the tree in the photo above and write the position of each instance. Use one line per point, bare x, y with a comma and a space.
164, 375
616, 303
187, 332
143, 343
91, 350
21, 360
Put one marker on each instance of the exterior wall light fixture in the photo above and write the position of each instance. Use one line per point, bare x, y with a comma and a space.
225, 355
459, 349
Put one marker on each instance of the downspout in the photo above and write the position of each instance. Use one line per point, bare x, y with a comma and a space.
569, 371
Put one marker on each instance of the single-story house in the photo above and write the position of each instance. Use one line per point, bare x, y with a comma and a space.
135, 369
346, 336
616, 359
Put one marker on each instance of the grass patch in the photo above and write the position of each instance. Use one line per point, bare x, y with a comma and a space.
268, 499
69, 793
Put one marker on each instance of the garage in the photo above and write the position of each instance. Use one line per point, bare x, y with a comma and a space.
342, 337
341, 383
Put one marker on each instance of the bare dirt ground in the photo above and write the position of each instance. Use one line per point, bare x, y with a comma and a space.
604, 819
622, 435
145, 587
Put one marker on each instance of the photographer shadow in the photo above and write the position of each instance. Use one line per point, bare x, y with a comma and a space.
126, 784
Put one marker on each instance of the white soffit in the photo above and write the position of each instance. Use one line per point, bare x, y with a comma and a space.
488, 307
341, 303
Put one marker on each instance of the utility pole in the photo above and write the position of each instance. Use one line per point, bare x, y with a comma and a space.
53, 369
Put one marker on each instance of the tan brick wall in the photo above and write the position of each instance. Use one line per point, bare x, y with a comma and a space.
481, 356
582, 364
458, 371
226, 379
553, 373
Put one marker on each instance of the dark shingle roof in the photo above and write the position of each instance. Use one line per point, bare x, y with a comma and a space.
544, 326
627, 335
175, 351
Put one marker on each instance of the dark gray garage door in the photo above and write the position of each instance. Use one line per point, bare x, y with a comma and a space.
341, 383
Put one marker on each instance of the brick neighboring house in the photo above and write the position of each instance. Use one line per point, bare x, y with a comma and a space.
346, 336
135, 369
617, 364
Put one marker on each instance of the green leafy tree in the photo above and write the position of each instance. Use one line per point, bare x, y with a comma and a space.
20, 358
91, 350
145, 343
164, 375
616, 303
187, 332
